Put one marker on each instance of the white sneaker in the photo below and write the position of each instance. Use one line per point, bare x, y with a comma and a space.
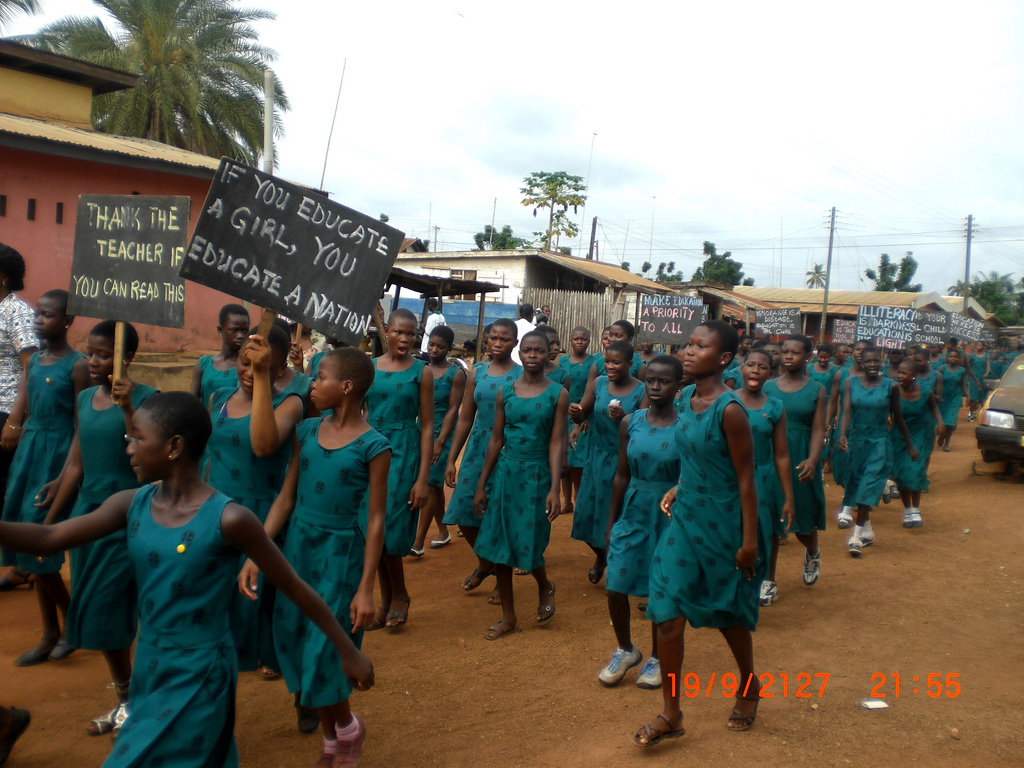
867, 535
845, 517
855, 545
622, 661
918, 522
650, 675
908, 517
769, 592
812, 567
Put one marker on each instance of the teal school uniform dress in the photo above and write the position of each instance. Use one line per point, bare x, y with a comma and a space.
840, 460
913, 475
952, 395
103, 615
515, 530
299, 385
558, 375
214, 378
254, 482
770, 497
693, 571
825, 379
870, 453
978, 365
39, 458
485, 393
578, 373
808, 498
590, 521
393, 409
653, 470
442, 401
185, 673
327, 548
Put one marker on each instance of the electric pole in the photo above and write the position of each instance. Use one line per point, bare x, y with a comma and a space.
828, 275
967, 267
593, 237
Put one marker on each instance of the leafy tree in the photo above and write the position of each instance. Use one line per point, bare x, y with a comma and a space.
645, 268
11, 8
557, 191
816, 277
493, 240
996, 293
625, 265
384, 218
667, 273
895, 277
200, 67
958, 288
720, 268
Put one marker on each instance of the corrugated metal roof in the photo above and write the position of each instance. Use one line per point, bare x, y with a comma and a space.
793, 297
595, 270
104, 143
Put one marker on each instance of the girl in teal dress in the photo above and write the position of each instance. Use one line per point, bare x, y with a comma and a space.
183, 544
868, 402
648, 467
246, 459
772, 468
978, 362
823, 372
552, 370
52, 380
104, 597
213, 372
703, 569
894, 358
517, 494
476, 421
608, 398
840, 459
804, 402
923, 418
335, 497
449, 388
620, 330
578, 363
954, 392
400, 405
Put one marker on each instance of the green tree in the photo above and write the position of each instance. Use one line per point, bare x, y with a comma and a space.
816, 277
9, 9
667, 273
720, 268
996, 293
200, 66
557, 191
493, 240
895, 277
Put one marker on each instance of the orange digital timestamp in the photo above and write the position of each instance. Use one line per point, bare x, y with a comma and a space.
932, 685
802, 687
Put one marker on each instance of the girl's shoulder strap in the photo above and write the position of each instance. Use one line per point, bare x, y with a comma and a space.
141, 393
308, 427
372, 443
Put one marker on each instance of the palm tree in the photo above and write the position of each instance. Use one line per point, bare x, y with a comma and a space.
958, 288
200, 68
816, 278
11, 8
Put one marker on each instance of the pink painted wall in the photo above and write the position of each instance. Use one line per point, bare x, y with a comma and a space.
47, 245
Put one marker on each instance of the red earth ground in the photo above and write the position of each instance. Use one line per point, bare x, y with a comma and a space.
945, 599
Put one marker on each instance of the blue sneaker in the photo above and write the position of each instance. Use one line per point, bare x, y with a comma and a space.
622, 661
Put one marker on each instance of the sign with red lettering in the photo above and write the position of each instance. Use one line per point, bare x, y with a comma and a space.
670, 319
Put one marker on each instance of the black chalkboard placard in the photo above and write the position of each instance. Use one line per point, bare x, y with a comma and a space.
777, 322
670, 319
128, 250
887, 327
964, 327
932, 328
988, 335
292, 251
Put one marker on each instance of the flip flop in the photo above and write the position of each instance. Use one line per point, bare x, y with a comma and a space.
546, 611
477, 577
495, 631
494, 598
653, 736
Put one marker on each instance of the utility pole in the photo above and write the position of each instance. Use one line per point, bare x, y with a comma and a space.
494, 212
967, 267
593, 237
436, 229
268, 121
828, 275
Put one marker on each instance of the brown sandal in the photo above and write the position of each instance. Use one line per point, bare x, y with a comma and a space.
546, 610
648, 735
743, 720
497, 631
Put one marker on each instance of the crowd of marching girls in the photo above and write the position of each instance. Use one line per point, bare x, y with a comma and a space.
260, 523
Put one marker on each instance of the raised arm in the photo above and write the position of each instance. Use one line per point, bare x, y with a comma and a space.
269, 428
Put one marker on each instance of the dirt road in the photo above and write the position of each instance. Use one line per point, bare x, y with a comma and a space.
945, 599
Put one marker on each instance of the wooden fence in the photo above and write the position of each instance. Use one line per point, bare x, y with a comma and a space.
570, 309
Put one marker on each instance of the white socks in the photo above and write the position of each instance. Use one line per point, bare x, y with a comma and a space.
349, 732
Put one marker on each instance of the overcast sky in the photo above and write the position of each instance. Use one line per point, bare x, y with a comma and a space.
739, 122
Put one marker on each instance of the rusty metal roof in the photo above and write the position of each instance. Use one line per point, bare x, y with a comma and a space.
53, 138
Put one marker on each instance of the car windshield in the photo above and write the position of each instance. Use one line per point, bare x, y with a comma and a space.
1014, 376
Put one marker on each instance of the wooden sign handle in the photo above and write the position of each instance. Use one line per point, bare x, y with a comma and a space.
298, 340
266, 322
119, 365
